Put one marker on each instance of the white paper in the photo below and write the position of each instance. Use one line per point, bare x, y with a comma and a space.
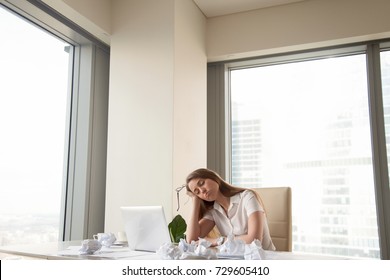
106, 253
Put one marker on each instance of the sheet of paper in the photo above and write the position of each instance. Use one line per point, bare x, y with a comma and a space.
108, 253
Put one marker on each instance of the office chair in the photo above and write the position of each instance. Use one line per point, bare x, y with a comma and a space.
277, 205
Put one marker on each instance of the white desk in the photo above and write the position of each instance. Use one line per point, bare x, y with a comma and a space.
312, 266
57, 251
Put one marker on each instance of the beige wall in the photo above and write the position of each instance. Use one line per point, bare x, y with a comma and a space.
139, 159
302, 25
190, 118
157, 99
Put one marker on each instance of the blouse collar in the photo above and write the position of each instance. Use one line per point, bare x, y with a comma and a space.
235, 199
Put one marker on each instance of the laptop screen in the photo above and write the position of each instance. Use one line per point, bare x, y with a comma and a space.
145, 226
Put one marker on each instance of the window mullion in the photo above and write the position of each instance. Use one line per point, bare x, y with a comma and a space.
379, 152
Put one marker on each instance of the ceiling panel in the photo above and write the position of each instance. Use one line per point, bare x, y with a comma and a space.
212, 8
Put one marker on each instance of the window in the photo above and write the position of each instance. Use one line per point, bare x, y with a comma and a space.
53, 115
307, 120
306, 125
34, 92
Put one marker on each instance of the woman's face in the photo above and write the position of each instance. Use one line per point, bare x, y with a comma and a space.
205, 189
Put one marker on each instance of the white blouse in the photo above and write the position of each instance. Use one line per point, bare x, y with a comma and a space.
242, 205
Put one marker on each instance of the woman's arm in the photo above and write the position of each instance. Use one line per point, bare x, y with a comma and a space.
197, 228
255, 228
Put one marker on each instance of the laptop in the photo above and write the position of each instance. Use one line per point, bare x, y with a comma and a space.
145, 226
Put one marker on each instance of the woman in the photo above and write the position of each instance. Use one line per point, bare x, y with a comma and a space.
232, 210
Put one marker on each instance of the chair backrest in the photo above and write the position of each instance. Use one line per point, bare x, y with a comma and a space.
277, 204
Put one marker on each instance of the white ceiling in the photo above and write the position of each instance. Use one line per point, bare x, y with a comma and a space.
213, 8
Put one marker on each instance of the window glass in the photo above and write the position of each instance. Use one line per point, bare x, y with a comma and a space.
306, 125
34, 67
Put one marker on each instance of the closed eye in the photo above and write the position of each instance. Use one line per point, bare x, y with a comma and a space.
199, 184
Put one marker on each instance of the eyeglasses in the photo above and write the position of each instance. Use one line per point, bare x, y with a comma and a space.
177, 195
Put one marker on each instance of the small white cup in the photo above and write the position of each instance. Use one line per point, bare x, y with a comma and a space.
121, 236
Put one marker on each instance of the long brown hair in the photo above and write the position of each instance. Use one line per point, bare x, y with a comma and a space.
225, 188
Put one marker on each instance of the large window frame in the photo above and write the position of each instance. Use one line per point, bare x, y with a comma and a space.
219, 116
84, 179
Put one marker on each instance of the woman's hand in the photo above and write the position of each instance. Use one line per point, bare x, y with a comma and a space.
196, 199
193, 229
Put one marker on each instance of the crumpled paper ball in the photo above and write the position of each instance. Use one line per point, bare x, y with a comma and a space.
169, 251
237, 247
106, 239
232, 246
201, 250
254, 251
184, 250
89, 247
